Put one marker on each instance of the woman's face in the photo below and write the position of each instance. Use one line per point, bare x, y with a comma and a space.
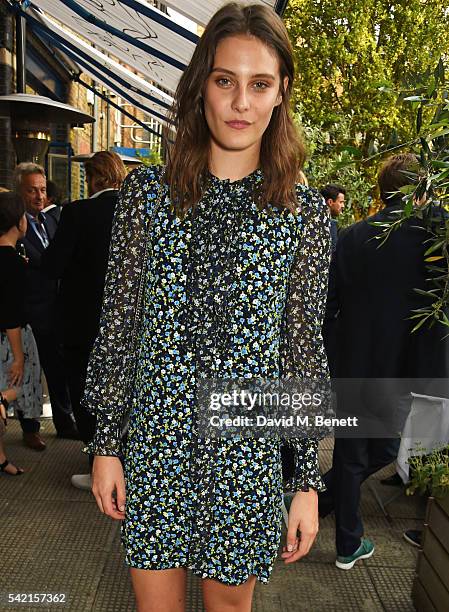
241, 92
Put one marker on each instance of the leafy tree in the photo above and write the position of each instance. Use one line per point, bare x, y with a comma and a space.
331, 162
351, 56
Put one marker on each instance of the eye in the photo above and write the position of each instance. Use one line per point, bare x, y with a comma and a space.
261, 85
223, 82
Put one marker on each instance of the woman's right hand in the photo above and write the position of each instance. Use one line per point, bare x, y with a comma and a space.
15, 374
107, 479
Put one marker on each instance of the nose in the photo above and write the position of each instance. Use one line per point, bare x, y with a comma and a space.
240, 102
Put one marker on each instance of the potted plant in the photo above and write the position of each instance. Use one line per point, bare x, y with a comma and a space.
430, 474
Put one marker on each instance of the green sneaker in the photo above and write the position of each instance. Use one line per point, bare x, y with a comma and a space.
364, 551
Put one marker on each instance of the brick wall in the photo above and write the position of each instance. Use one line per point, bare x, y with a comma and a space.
7, 155
81, 139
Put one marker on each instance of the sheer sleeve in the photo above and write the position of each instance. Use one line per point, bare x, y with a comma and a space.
305, 357
113, 357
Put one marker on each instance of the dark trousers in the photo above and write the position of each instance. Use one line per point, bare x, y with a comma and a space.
288, 462
52, 362
76, 359
354, 460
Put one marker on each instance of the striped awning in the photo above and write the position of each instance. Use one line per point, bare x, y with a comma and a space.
135, 32
132, 48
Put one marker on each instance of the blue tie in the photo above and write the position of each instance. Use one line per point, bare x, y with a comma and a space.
38, 224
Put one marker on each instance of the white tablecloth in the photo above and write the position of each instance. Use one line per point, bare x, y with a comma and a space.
426, 428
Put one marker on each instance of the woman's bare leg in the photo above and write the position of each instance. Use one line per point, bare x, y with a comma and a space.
219, 597
159, 590
10, 468
10, 395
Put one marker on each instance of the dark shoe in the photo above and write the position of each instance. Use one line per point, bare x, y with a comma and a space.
393, 481
413, 537
34, 441
5, 464
69, 434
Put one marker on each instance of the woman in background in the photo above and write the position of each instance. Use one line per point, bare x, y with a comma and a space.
19, 361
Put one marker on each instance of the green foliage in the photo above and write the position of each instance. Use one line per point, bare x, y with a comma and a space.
330, 160
353, 59
429, 474
352, 55
367, 86
153, 159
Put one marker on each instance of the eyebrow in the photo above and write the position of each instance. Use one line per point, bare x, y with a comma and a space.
264, 75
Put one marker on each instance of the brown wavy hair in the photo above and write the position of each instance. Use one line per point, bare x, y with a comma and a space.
107, 168
282, 153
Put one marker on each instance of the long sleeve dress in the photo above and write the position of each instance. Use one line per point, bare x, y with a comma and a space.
229, 291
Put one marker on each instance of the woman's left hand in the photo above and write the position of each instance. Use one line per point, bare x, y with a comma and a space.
302, 517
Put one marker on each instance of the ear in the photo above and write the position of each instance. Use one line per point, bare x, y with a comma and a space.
279, 97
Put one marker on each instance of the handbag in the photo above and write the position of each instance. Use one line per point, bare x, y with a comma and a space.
112, 367
138, 313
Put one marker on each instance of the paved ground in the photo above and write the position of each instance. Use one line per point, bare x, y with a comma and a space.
52, 539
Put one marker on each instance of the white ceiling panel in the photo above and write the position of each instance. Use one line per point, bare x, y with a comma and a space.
201, 12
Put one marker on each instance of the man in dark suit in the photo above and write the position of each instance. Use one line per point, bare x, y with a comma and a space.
53, 205
78, 256
372, 291
40, 305
334, 196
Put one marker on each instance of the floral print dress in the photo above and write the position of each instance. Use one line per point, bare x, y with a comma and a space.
230, 291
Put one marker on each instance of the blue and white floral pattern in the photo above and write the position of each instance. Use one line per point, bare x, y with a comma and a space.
232, 291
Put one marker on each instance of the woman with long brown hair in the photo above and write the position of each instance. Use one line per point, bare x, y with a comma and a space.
217, 270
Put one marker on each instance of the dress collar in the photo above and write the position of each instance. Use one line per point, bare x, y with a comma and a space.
251, 179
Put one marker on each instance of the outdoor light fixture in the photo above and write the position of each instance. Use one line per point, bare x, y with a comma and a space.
31, 118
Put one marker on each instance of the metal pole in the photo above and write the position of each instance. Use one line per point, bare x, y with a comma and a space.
116, 106
95, 123
20, 54
108, 126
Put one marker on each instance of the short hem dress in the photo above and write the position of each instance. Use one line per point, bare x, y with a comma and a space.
230, 291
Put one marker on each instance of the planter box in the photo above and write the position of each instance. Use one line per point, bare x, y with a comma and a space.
431, 586
443, 502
